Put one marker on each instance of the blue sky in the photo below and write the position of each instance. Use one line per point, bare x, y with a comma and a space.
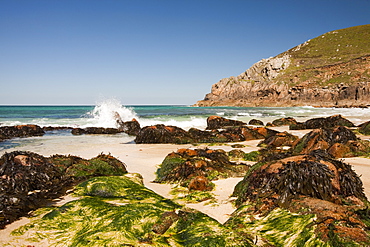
149, 51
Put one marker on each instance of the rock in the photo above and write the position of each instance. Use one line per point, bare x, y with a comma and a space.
95, 130
293, 79
317, 123
295, 187
338, 150
199, 183
313, 175
7, 132
130, 127
28, 179
279, 140
323, 139
364, 128
255, 122
216, 122
163, 134
284, 121
198, 166
166, 221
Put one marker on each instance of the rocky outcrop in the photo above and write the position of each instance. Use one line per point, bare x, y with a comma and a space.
293, 188
328, 71
171, 134
234, 91
195, 168
317, 123
8, 132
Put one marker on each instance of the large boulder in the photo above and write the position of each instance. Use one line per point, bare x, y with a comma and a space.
364, 128
279, 140
130, 127
28, 179
339, 142
255, 122
284, 121
216, 122
163, 134
317, 123
196, 167
303, 199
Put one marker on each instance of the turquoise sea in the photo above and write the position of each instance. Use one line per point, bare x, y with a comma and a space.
102, 114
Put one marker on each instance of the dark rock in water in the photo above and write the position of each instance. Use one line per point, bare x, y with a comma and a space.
307, 184
7, 132
216, 122
130, 127
27, 179
78, 131
163, 134
198, 165
364, 128
52, 128
255, 122
317, 123
284, 121
95, 130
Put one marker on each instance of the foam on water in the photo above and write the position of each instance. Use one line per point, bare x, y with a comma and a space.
105, 114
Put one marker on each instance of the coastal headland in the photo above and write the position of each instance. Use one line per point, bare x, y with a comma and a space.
331, 70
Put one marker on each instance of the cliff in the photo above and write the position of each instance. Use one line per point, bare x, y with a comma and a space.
332, 70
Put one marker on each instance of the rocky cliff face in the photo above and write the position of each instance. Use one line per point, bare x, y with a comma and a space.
315, 73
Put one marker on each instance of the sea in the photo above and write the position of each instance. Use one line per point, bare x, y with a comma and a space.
102, 114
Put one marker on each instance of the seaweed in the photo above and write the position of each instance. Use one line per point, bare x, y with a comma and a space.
127, 215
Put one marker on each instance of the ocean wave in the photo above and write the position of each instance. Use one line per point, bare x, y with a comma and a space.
106, 113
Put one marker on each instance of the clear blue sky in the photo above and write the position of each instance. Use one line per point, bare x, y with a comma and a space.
149, 51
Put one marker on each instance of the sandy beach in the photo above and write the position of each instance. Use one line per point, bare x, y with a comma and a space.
145, 158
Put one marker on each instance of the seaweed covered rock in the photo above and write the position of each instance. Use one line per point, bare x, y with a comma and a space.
284, 121
78, 169
339, 142
7, 132
325, 196
364, 128
197, 167
120, 211
171, 134
163, 134
279, 140
129, 127
216, 122
255, 122
26, 179
95, 130
315, 175
317, 123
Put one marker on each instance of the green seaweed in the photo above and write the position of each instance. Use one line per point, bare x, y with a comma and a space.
278, 228
252, 156
120, 211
